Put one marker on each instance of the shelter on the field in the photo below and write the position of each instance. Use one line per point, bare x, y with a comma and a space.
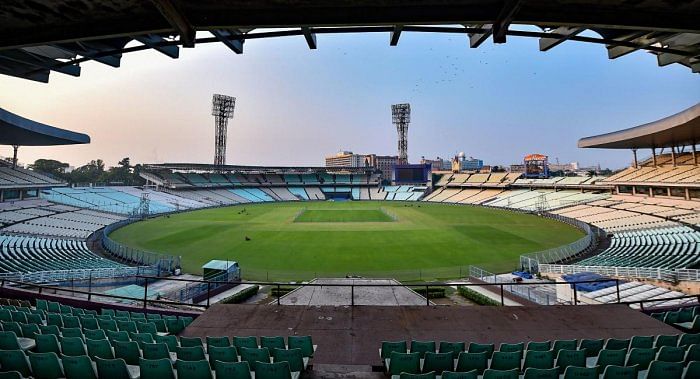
221, 270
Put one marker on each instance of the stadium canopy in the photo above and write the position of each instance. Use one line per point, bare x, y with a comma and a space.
675, 131
203, 167
19, 131
57, 35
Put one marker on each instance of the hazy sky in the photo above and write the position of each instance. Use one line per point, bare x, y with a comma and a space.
295, 105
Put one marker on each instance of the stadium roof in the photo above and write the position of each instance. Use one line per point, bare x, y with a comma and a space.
57, 35
17, 130
257, 169
680, 129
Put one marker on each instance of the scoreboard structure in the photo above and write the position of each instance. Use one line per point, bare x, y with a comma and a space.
411, 174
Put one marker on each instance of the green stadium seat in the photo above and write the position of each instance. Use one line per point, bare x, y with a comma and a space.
566, 358
665, 370
128, 351
685, 315
692, 370
14, 360
487, 348
20, 317
691, 326
574, 372
564, 345
5, 315
192, 353
643, 342
620, 372
671, 354
34, 319
389, 347
501, 360
171, 341
403, 362
297, 362
693, 353
608, 357
191, 341
640, 357
127, 326
10, 341
543, 360
54, 319
108, 325
472, 361
50, 329
94, 334
274, 342
617, 344
512, 347
108, 312
137, 316
232, 370
541, 373
142, 338
30, 330
250, 342
219, 342
689, 339
156, 368
78, 367
427, 375
115, 369
72, 346
438, 362
153, 316
666, 340
71, 322
539, 346
174, 326
46, 343
500, 374
89, 323
193, 369
99, 349
156, 351
120, 336
42, 304
123, 314
302, 342
421, 347
452, 347
161, 326
223, 354
46, 366
278, 370
459, 375
252, 355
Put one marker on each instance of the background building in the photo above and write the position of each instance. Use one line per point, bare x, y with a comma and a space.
383, 163
345, 159
462, 163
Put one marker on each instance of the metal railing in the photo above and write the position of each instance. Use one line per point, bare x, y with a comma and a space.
669, 275
163, 263
147, 301
64, 276
535, 295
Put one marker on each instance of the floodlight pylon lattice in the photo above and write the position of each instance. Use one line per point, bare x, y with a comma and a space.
222, 110
401, 117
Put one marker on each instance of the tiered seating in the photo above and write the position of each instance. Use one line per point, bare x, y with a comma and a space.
653, 357
674, 247
684, 171
687, 319
66, 342
299, 192
403, 193
637, 291
108, 199
549, 199
47, 219
30, 254
14, 177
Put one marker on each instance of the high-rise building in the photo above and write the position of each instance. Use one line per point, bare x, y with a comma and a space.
345, 159
383, 163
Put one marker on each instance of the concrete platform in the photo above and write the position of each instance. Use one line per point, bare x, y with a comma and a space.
331, 295
352, 335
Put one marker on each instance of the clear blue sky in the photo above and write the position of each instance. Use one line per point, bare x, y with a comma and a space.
296, 105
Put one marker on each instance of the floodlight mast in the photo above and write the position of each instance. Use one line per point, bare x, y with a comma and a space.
401, 117
222, 110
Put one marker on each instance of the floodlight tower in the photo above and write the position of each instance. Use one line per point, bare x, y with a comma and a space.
222, 110
401, 116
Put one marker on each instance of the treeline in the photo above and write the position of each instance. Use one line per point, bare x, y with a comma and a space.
93, 172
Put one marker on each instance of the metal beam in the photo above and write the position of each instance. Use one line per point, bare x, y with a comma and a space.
225, 37
20, 71
176, 18
153, 41
476, 39
39, 61
310, 37
394, 37
563, 33
640, 39
505, 17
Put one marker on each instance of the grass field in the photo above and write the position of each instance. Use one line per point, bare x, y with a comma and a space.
343, 215
425, 240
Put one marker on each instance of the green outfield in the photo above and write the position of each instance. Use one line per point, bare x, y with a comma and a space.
294, 241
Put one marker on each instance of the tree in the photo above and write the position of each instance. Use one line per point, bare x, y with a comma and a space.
51, 167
